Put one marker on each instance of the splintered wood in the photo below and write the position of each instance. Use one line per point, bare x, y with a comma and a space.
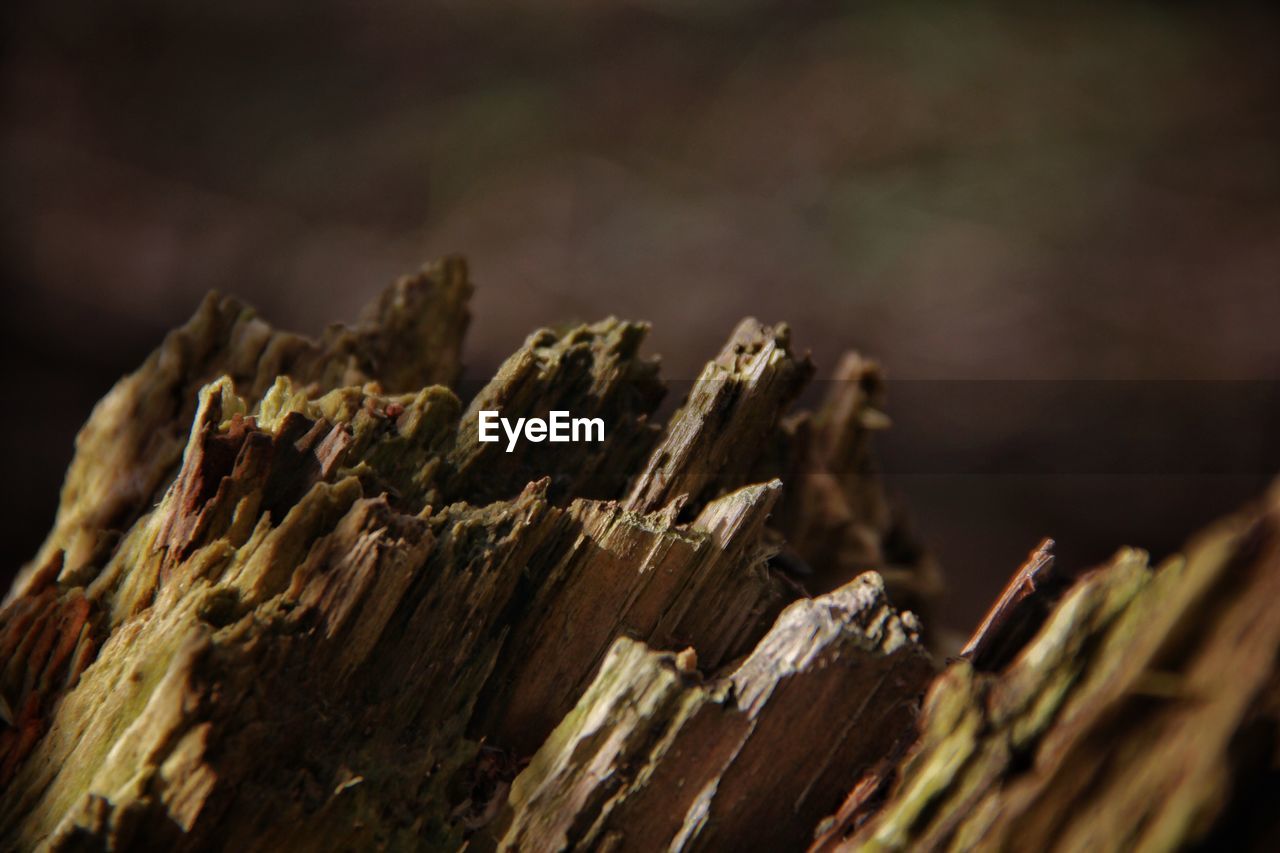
1144, 706
291, 602
654, 757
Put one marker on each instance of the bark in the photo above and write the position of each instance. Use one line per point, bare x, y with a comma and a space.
291, 602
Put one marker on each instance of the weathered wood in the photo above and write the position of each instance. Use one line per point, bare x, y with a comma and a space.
731, 415
410, 338
1127, 722
597, 372
291, 602
653, 757
836, 513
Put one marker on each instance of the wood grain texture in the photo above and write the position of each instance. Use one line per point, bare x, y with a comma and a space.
290, 602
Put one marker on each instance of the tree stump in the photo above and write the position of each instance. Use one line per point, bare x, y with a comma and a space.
291, 601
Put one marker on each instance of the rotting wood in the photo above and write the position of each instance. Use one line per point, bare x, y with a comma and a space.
653, 757
410, 338
290, 602
1142, 715
835, 512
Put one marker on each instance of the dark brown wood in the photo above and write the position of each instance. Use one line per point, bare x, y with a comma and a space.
1017, 612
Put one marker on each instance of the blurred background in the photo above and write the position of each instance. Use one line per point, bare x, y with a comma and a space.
1033, 209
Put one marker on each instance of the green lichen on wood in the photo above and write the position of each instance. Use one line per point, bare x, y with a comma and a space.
1113, 727
410, 338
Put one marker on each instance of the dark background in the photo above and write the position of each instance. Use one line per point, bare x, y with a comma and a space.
972, 194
